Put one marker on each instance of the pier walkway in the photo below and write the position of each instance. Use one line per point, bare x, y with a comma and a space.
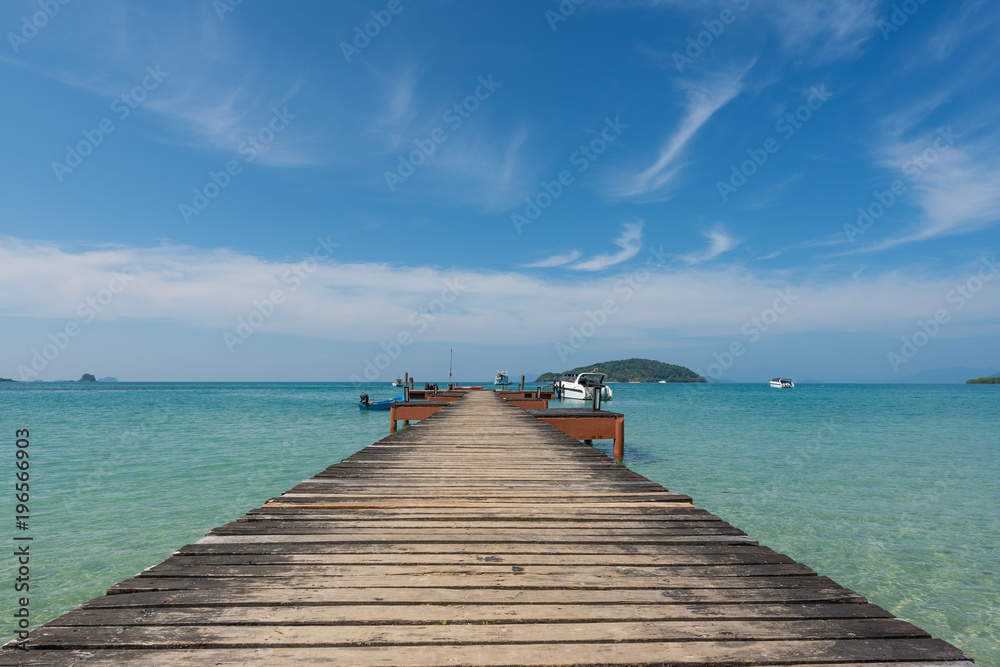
480, 536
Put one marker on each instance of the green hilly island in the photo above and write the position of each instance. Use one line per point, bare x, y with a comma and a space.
993, 379
633, 370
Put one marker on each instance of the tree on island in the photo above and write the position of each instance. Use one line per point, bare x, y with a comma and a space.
633, 370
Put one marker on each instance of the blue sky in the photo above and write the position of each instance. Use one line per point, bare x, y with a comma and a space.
263, 191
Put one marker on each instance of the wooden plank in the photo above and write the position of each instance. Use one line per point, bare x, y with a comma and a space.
518, 580
456, 613
242, 596
492, 541
192, 567
680, 545
583, 653
203, 567
562, 561
168, 637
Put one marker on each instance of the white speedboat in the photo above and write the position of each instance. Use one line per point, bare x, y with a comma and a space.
782, 383
581, 385
398, 382
501, 378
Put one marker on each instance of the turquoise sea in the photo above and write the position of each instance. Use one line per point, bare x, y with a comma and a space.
892, 490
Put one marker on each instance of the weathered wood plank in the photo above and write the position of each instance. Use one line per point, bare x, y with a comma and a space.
456, 613
810, 652
170, 637
518, 580
195, 567
241, 596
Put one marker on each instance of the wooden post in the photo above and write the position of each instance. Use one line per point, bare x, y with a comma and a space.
406, 386
411, 384
522, 383
595, 398
619, 450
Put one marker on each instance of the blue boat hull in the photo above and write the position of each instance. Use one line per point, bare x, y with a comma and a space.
380, 405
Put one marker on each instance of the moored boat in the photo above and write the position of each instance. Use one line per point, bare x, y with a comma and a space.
501, 378
582, 386
365, 403
782, 383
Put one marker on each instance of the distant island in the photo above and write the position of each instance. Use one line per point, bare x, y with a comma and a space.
7, 380
87, 377
633, 370
107, 378
990, 380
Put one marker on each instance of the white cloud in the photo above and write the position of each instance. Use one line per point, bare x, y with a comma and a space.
630, 242
554, 260
719, 242
956, 185
371, 302
704, 98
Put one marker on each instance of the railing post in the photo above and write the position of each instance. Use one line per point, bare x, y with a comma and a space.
619, 449
595, 396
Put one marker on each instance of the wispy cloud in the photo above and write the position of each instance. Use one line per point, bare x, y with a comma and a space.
719, 242
554, 260
823, 31
950, 174
400, 107
630, 242
704, 98
213, 95
489, 165
968, 20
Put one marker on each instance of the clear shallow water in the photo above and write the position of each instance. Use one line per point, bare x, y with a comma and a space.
892, 490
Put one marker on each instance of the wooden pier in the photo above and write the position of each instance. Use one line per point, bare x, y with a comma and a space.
480, 536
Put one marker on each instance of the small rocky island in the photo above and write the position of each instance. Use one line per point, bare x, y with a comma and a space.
994, 379
87, 377
633, 370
